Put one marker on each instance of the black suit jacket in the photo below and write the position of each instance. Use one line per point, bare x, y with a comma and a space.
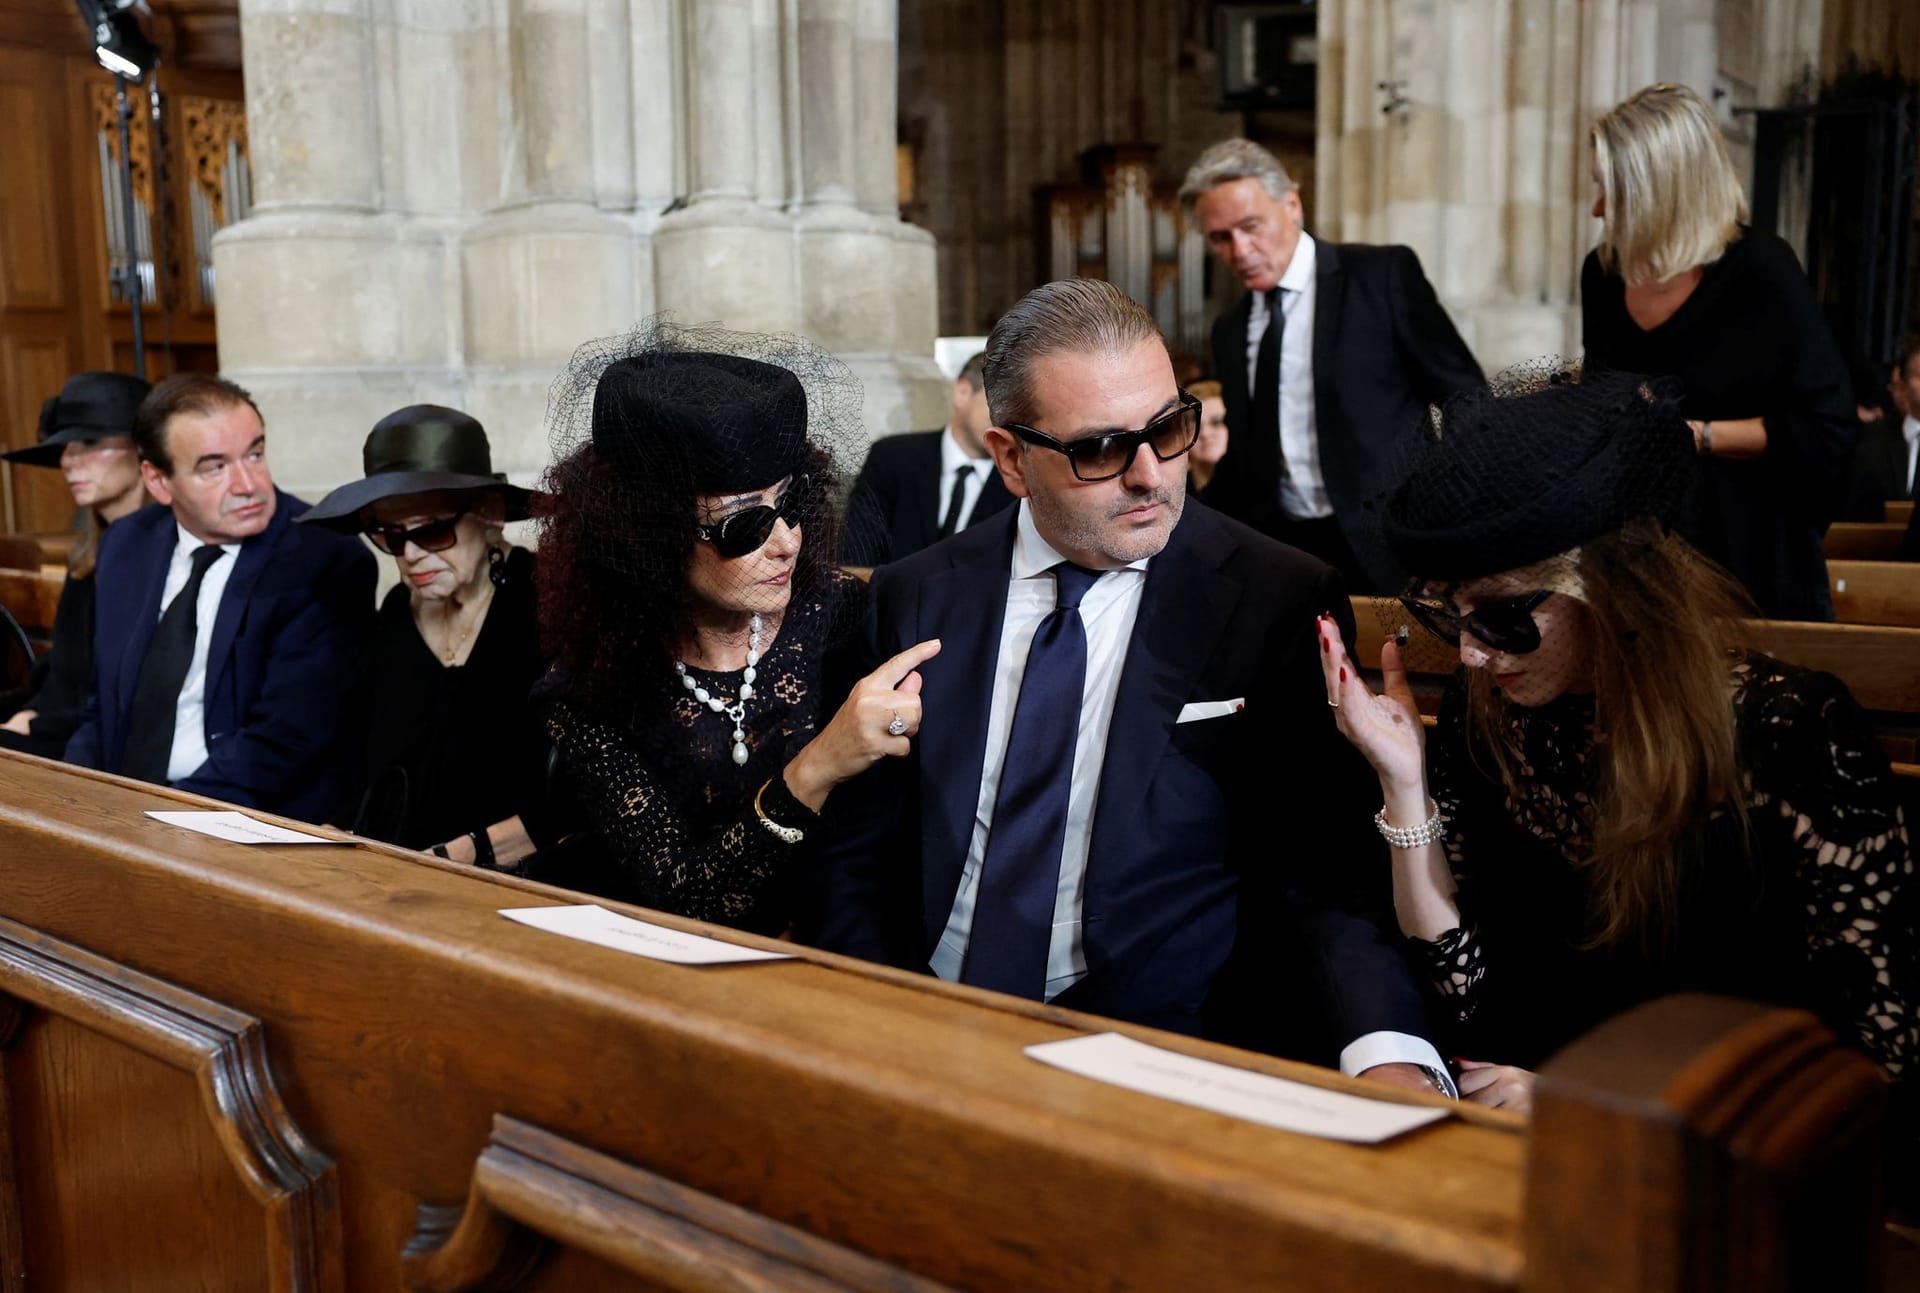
1203, 830
1878, 471
284, 663
1383, 351
895, 508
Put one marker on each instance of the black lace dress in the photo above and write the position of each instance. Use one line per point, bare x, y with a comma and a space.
674, 813
1816, 912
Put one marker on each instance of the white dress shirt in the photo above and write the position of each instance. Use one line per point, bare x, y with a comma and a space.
1911, 430
1108, 612
1303, 490
190, 718
952, 459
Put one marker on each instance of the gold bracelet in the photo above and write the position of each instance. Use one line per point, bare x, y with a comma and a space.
787, 834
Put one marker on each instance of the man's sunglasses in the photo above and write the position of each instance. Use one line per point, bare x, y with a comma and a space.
748, 530
1102, 457
434, 536
1504, 624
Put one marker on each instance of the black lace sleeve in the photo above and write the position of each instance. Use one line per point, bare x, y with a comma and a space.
1454, 963
1823, 796
721, 874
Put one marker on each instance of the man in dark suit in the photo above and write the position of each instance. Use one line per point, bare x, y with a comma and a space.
1126, 744
228, 642
918, 488
1317, 407
1886, 458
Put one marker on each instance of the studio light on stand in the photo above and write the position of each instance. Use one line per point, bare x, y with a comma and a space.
123, 49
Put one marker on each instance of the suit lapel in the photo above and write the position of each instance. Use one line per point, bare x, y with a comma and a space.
1329, 303
148, 575
1183, 611
1231, 356
924, 491
249, 564
964, 606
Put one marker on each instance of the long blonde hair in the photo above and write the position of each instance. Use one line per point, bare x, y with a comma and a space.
1661, 640
1673, 201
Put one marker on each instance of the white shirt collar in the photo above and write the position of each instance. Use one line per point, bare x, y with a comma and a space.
185, 542
1034, 556
952, 456
1299, 275
1911, 429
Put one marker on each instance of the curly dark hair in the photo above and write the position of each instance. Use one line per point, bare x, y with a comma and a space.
615, 606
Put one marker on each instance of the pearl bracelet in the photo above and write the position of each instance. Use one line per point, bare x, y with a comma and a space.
1412, 837
785, 834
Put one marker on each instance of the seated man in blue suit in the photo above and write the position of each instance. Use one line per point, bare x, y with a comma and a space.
228, 642
1126, 771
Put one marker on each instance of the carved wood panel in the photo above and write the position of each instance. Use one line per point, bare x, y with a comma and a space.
134, 1097
533, 1192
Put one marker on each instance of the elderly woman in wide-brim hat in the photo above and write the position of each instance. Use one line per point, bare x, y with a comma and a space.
698, 621
1618, 801
86, 433
455, 754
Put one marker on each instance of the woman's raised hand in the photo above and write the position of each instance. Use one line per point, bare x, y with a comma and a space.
878, 720
1384, 728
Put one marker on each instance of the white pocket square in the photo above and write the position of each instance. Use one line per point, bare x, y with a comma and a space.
1200, 709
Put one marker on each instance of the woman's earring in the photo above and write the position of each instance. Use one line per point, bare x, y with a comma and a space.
497, 566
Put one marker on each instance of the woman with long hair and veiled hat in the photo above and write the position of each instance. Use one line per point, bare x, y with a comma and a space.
690, 599
1618, 802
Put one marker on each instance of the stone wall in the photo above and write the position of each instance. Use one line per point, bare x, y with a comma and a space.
450, 196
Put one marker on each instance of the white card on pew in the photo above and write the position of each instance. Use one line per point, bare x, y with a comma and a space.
591, 923
1256, 1097
238, 827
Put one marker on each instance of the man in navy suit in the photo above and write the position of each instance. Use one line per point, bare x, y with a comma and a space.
1123, 766
228, 642
918, 488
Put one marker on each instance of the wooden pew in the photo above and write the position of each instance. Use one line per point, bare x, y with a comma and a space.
32, 596
1900, 510
1864, 540
336, 1067
1875, 592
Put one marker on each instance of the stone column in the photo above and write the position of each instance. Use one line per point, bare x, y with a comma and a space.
451, 197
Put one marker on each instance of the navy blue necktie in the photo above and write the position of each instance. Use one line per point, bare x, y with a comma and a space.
1013, 908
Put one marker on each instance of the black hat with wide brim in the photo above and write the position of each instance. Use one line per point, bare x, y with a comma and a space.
420, 449
89, 407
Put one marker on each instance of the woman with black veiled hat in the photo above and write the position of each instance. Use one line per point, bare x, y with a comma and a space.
692, 604
1617, 802
456, 754
86, 431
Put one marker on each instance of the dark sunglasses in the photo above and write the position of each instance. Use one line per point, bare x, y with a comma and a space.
434, 536
748, 530
1504, 624
1102, 457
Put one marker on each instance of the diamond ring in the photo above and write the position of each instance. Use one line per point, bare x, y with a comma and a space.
898, 727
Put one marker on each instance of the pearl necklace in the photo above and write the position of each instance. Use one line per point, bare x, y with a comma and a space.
718, 704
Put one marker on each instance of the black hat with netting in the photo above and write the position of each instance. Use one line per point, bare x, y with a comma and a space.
1494, 506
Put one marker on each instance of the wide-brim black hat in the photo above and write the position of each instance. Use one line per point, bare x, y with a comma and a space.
1542, 461
420, 449
88, 407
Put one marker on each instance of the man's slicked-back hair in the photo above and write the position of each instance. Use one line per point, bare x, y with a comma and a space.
201, 394
1230, 160
1068, 315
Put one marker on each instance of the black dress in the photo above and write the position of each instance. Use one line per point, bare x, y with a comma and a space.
64, 674
1749, 342
1817, 912
675, 815
456, 749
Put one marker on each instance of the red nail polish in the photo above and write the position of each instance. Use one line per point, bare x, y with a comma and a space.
1343, 677
1325, 647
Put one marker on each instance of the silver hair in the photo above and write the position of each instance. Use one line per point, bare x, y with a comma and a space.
1235, 159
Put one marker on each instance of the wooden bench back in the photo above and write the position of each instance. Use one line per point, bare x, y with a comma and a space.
1875, 592
1900, 510
1864, 540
